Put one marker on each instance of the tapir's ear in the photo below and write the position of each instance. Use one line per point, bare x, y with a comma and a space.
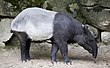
83, 25
85, 28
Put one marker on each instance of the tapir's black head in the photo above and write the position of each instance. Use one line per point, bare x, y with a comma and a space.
87, 41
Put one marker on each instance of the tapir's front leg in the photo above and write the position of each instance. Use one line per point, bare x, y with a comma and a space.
64, 51
62, 45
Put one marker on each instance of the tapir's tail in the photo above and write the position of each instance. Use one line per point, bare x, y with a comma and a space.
11, 31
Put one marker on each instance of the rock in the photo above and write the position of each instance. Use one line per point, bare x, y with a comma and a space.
96, 15
6, 9
5, 34
59, 5
2, 44
105, 37
100, 20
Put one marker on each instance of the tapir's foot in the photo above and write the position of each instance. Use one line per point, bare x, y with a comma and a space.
54, 62
25, 59
68, 62
28, 58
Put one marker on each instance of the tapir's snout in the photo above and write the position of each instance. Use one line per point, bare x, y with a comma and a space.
94, 50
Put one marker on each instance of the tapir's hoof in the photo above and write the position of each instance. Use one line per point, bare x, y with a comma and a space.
68, 62
25, 60
54, 62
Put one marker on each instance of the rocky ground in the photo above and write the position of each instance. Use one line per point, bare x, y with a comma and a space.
40, 53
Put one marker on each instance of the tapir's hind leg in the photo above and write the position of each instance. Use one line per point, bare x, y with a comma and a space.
54, 51
24, 45
28, 43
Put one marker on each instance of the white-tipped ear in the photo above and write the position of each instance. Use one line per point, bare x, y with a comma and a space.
85, 26
82, 25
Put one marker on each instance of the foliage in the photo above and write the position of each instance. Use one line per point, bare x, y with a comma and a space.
19, 5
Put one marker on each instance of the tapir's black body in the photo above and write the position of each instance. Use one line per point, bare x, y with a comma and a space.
65, 30
68, 30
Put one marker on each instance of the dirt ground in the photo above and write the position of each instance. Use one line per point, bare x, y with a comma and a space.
10, 58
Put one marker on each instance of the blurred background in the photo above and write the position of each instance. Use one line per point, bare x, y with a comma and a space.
95, 14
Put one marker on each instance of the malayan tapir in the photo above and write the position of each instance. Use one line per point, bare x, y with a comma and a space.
37, 24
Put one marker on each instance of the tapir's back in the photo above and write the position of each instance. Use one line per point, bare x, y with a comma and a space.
35, 15
34, 21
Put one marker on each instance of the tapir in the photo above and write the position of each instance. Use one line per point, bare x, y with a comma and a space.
37, 24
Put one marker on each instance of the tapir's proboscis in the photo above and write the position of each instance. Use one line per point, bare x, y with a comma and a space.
37, 24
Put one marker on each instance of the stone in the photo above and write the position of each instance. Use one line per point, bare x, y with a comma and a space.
5, 27
105, 37
6, 9
2, 44
101, 20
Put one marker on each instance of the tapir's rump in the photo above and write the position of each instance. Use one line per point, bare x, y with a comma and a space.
36, 22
